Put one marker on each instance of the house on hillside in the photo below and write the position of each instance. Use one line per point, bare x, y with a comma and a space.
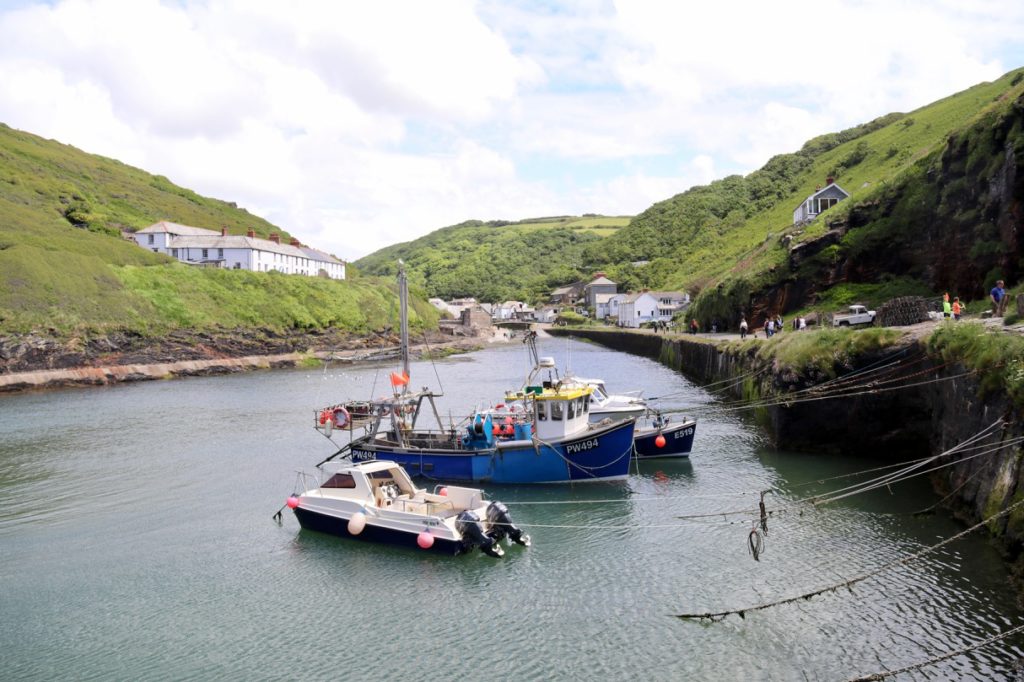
207, 248
598, 285
823, 199
637, 309
546, 314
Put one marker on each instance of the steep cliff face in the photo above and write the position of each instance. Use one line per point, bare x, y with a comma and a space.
953, 222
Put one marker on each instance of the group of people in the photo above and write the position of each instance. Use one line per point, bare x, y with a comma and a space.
772, 325
997, 296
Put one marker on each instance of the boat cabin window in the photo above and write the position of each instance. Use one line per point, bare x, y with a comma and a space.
556, 411
340, 481
570, 409
598, 394
582, 406
542, 411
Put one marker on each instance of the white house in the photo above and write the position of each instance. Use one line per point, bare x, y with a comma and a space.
546, 314
197, 246
601, 304
636, 309
613, 305
819, 202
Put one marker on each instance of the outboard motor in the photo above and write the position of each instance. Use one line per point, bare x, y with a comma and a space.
501, 525
473, 535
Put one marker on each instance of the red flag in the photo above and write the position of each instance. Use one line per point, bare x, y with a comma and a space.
399, 379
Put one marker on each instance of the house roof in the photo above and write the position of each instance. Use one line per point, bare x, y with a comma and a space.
632, 298
601, 280
827, 188
677, 295
603, 298
175, 228
563, 290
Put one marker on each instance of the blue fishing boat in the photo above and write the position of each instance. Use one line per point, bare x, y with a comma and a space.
540, 434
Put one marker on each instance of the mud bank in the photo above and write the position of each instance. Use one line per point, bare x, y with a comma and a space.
39, 362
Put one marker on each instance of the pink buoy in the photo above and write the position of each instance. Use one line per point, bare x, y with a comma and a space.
660, 441
425, 540
292, 502
357, 523
443, 492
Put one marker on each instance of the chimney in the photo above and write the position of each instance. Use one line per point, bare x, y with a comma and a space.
829, 180
295, 242
223, 230
251, 234
274, 237
598, 274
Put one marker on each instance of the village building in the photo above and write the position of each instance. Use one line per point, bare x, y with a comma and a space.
640, 308
473, 320
602, 304
823, 199
208, 248
598, 285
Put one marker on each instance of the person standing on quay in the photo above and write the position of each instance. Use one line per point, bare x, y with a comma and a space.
947, 309
998, 298
743, 328
958, 308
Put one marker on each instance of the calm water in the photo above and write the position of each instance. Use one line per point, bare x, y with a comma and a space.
137, 543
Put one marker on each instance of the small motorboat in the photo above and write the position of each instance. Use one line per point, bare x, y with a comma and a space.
377, 501
659, 437
613, 405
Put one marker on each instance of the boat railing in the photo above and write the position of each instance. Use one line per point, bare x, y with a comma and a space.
425, 507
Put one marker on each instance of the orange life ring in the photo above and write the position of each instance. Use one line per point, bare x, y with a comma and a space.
325, 414
340, 417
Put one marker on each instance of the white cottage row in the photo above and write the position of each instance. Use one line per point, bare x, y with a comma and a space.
198, 246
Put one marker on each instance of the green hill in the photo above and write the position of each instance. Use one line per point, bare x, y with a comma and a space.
497, 260
935, 204
64, 264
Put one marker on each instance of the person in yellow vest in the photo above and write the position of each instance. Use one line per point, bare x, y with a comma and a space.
947, 309
958, 308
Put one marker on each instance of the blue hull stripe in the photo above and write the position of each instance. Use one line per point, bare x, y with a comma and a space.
597, 455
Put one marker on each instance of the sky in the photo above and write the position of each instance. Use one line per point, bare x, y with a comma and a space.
356, 125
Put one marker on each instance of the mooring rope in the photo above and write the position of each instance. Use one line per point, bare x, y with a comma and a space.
938, 659
720, 615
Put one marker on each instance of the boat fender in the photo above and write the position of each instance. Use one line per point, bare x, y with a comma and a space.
473, 535
328, 425
325, 414
502, 526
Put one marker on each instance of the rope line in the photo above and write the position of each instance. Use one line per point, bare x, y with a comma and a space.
938, 659
720, 615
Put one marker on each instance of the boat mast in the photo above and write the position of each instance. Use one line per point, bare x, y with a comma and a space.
403, 306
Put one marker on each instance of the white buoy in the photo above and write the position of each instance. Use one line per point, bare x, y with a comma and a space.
357, 523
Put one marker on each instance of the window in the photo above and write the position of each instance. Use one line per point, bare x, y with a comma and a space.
150, 238
238, 266
340, 481
174, 252
570, 412
542, 412
156, 250
206, 254
556, 411
220, 253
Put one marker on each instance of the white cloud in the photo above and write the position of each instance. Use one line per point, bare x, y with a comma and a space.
358, 125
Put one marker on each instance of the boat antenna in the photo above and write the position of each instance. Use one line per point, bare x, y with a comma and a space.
403, 303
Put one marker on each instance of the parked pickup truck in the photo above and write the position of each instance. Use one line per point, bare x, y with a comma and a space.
858, 315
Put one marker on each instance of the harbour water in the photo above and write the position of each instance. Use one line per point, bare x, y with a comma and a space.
137, 543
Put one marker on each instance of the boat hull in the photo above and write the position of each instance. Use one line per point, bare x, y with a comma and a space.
598, 455
678, 440
338, 526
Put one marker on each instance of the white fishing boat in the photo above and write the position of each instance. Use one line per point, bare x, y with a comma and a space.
377, 501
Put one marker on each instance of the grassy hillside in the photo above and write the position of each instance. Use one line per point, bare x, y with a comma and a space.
498, 260
64, 264
733, 240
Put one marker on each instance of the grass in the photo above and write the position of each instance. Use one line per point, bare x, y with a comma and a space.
827, 349
997, 357
65, 267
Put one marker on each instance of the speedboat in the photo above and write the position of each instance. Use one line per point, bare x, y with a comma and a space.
615, 406
378, 502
